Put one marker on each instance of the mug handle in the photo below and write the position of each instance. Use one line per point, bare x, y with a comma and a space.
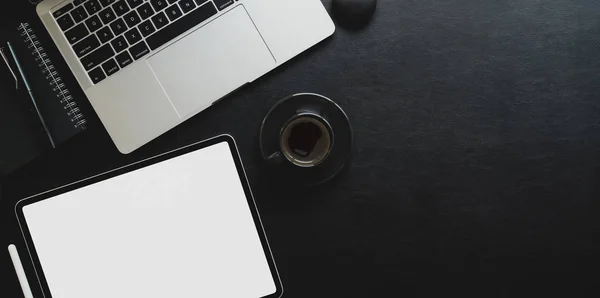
275, 158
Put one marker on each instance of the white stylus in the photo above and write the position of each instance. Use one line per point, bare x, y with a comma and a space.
16, 260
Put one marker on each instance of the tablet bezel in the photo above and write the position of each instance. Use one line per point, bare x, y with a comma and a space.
39, 273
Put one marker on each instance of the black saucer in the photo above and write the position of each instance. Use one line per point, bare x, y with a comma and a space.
278, 116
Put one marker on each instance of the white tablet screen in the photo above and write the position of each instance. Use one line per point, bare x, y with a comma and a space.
178, 228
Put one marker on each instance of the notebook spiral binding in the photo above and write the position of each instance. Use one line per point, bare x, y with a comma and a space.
52, 76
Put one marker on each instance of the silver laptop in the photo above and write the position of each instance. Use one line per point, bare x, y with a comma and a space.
148, 65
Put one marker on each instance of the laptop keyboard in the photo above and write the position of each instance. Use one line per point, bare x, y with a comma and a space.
108, 35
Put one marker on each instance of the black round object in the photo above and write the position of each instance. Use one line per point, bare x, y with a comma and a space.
353, 14
271, 130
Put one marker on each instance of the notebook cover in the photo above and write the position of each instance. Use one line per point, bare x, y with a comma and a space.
52, 95
22, 134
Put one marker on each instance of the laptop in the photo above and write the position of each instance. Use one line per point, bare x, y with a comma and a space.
148, 65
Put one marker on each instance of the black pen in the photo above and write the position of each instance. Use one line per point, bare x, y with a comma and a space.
12, 51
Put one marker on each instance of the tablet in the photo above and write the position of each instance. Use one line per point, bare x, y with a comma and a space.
180, 224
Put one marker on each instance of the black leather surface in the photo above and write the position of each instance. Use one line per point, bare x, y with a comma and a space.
476, 165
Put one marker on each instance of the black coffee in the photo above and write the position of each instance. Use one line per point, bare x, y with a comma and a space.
303, 138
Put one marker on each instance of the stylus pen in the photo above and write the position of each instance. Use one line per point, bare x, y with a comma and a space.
12, 51
16, 260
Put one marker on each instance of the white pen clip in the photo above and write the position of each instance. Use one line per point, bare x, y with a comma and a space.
9, 68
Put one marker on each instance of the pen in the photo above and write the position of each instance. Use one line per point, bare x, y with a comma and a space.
16, 260
12, 51
9, 68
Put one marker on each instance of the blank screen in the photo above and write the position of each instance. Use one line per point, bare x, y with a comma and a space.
178, 228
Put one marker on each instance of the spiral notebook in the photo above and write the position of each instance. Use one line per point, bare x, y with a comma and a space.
38, 111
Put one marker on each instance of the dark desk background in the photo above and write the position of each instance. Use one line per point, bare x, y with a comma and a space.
476, 166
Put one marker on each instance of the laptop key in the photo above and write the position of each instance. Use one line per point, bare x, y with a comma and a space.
106, 3
124, 59
132, 19
160, 20
87, 45
63, 10
97, 57
65, 22
146, 28
92, 6
200, 2
187, 5
105, 34
133, 36
121, 8
222, 4
178, 27
97, 75
93, 23
118, 26
110, 67
135, 3
119, 44
107, 15
79, 14
172, 1
145, 11
77, 2
173, 12
77, 33
158, 4
139, 50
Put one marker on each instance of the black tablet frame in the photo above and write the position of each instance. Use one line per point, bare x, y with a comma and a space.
39, 272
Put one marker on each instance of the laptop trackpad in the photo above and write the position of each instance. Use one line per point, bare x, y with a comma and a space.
212, 61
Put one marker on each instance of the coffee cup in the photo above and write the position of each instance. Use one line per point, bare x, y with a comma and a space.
306, 140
